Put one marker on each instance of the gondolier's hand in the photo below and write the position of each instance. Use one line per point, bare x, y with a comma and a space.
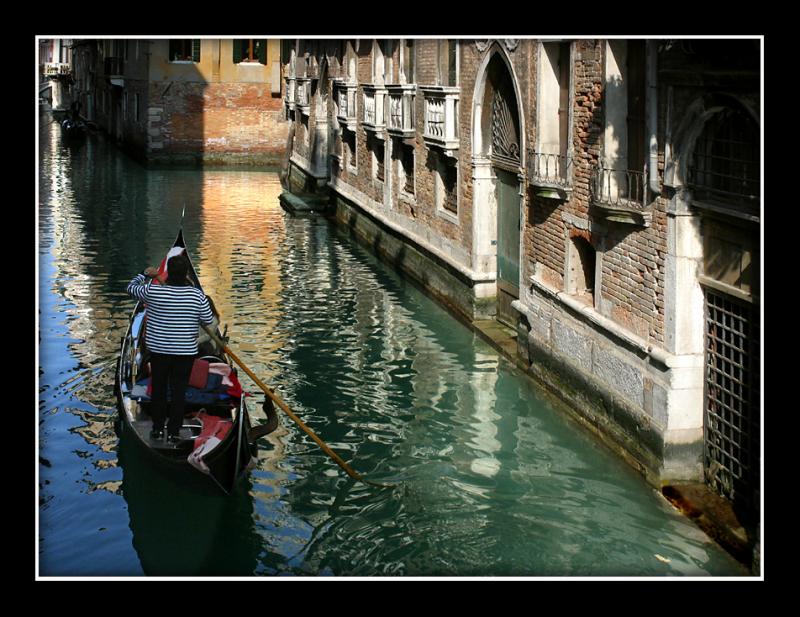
151, 272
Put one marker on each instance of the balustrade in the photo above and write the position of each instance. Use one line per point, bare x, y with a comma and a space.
620, 194
374, 109
401, 110
345, 94
549, 170
441, 117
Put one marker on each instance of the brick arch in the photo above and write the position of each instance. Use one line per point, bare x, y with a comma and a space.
491, 55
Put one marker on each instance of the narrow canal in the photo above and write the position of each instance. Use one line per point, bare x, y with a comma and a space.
493, 481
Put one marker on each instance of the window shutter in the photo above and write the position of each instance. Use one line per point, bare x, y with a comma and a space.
195, 50
237, 51
262, 51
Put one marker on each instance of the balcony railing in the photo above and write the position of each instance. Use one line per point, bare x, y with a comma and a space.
441, 117
303, 94
345, 94
550, 171
57, 68
374, 108
401, 110
620, 194
291, 89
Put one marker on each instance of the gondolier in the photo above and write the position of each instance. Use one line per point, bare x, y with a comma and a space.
218, 442
175, 310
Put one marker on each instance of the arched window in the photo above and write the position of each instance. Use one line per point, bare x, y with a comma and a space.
726, 165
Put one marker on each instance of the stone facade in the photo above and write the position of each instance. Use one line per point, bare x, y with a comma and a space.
613, 262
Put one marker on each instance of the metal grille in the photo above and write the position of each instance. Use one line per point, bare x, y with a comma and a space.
732, 398
726, 159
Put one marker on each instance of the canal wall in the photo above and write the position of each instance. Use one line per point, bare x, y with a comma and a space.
432, 267
630, 394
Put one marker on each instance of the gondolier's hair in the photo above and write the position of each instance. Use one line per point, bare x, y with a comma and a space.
177, 269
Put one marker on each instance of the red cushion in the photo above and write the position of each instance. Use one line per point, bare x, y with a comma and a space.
199, 376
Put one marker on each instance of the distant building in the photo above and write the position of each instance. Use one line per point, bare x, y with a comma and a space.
186, 101
55, 72
601, 197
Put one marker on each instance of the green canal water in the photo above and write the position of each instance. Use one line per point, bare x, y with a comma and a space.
492, 479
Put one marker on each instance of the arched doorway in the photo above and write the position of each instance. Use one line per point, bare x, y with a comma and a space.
497, 175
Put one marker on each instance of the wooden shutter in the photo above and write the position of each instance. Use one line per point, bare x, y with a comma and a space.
237, 51
195, 50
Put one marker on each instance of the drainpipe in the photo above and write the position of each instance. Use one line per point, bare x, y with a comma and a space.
652, 114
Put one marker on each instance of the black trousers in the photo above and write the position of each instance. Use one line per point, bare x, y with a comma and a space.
173, 371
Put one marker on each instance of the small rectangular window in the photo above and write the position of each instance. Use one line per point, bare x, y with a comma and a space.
408, 169
379, 152
250, 51
184, 50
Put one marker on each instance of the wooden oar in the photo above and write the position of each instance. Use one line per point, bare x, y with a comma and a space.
337, 459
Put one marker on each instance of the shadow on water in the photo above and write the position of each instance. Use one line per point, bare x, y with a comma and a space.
186, 531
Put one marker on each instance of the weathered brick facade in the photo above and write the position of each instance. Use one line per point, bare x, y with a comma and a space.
609, 299
209, 110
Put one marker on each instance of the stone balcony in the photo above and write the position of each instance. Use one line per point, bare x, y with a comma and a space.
620, 195
374, 109
291, 89
303, 94
441, 118
550, 174
400, 122
57, 68
345, 94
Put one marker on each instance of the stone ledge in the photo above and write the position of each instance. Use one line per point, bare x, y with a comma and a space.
294, 203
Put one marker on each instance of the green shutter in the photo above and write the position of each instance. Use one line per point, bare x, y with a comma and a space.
195, 50
262, 50
237, 51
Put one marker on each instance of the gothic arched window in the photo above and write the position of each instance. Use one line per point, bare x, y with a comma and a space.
727, 164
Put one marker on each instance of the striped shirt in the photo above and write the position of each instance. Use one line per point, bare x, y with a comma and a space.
173, 315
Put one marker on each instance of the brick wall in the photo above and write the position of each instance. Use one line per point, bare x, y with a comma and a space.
216, 120
632, 272
632, 263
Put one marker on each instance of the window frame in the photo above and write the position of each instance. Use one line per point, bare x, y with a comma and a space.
253, 58
192, 58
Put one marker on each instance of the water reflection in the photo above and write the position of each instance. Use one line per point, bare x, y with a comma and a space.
492, 481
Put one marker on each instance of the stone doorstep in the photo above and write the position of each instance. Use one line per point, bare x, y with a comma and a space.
295, 203
503, 338
715, 516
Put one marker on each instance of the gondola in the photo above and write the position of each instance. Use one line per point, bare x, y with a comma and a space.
73, 129
218, 442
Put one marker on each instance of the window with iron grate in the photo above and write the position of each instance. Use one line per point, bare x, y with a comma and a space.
726, 165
